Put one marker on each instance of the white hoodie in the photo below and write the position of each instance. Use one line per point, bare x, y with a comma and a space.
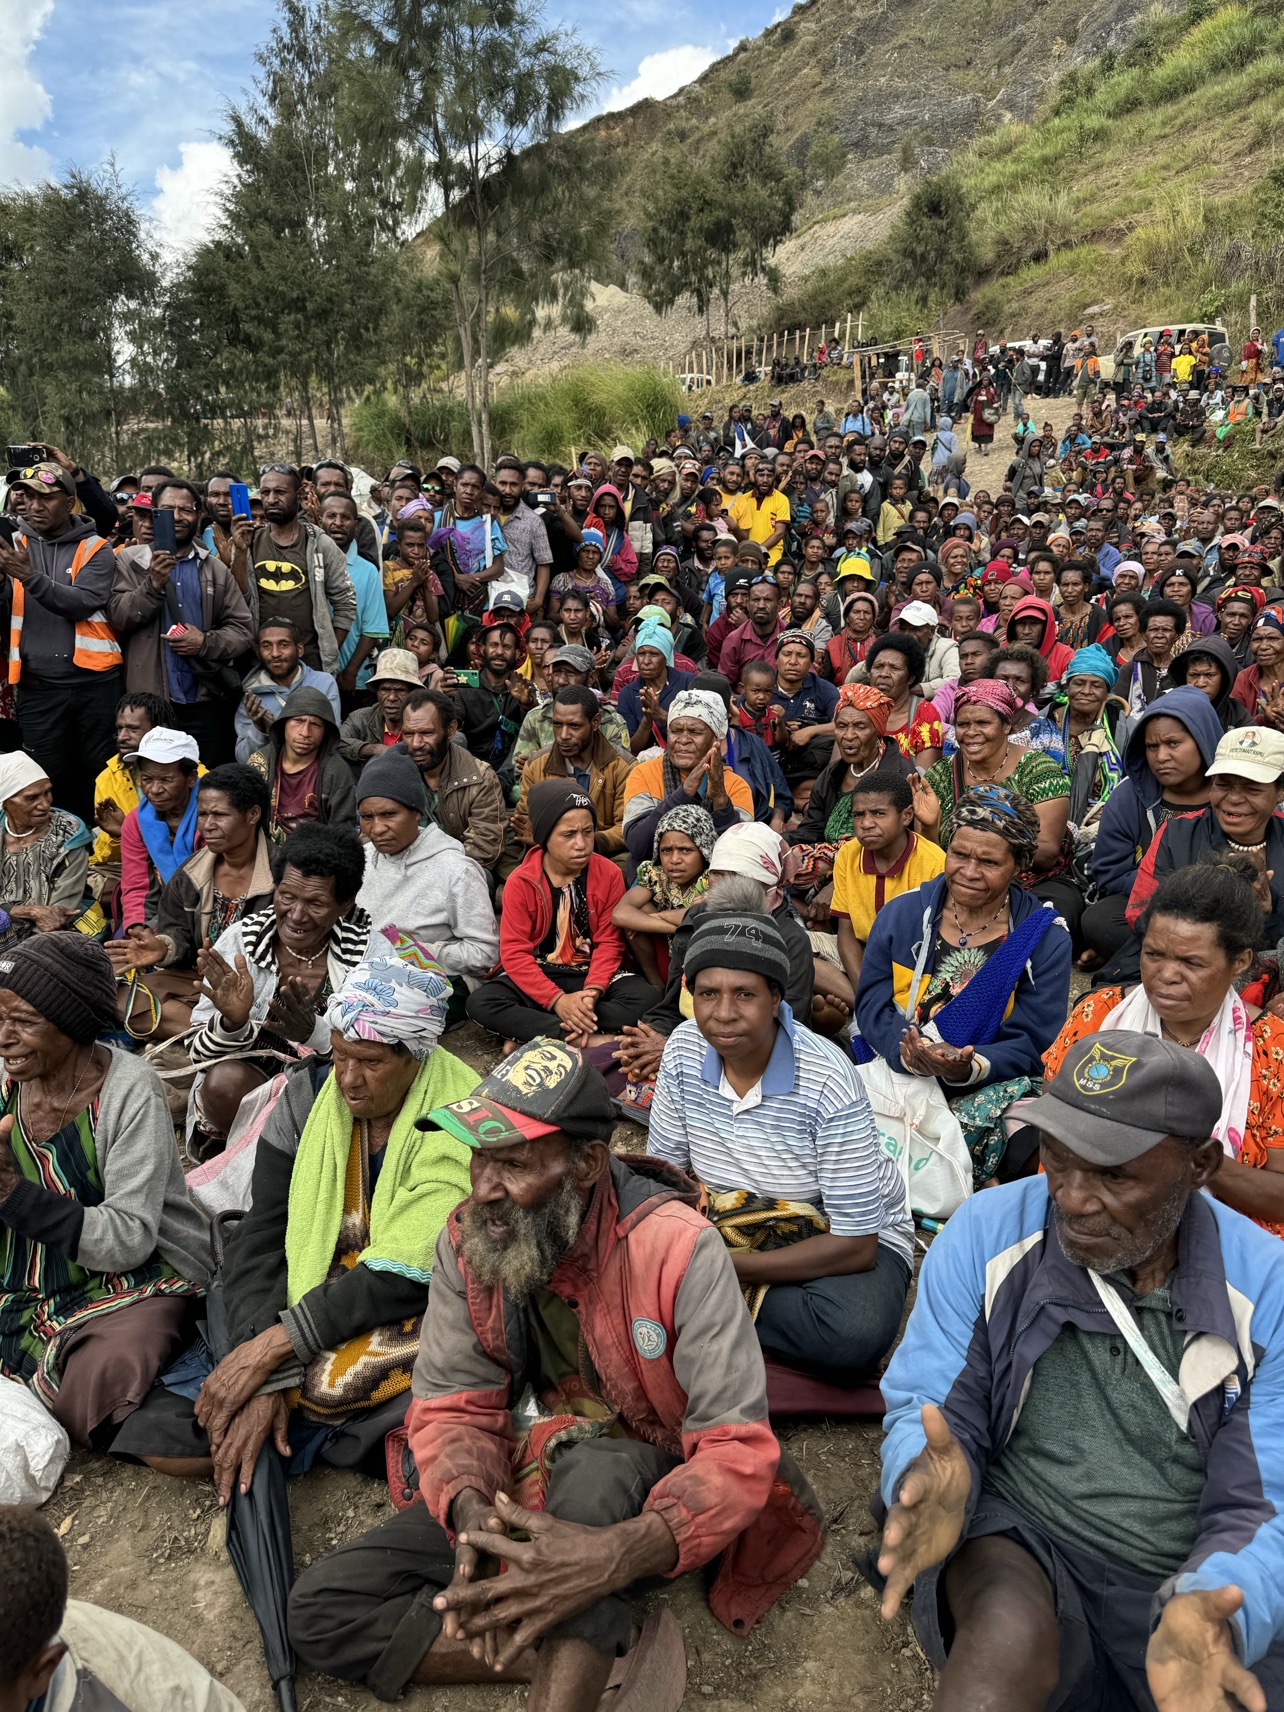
435, 893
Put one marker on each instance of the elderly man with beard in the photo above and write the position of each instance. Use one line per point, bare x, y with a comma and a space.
1081, 1465
572, 1272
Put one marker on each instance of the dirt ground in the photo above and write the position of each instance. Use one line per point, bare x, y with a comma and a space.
153, 1549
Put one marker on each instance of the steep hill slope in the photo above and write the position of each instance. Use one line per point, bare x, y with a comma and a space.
1117, 154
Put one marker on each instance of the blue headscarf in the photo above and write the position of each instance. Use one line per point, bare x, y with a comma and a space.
655, 635
1092, 662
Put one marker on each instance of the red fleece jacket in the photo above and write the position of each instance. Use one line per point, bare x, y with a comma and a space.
528, 916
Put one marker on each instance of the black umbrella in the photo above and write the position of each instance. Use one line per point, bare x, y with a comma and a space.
262, 1554
259, 1540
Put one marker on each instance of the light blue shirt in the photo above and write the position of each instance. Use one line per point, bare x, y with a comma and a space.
805, 1133
372, 614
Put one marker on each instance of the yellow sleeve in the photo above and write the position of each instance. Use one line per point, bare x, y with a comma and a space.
844, 873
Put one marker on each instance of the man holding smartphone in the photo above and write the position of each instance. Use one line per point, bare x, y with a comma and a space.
55, 582
180, 614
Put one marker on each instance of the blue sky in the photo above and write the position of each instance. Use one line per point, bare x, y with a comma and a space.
163, 70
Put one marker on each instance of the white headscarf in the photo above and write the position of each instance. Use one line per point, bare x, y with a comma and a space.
17, 771
702, 705
754, 851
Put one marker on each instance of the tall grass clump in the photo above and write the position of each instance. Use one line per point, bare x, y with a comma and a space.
590, 404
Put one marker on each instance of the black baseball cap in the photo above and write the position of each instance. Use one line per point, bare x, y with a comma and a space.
1119, 1093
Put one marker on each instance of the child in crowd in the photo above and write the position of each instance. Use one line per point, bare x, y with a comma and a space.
653, 908
423, 642
884, 858
753, 704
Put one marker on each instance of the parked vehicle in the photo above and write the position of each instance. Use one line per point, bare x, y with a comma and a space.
1217, 341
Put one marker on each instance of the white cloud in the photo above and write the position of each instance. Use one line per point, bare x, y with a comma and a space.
659, 74
24, 101
188, 196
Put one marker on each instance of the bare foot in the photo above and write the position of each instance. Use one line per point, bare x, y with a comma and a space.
1090, 960
509, 1046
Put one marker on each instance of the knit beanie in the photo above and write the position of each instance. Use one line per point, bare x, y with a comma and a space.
66, 977
549, 801
395, 776
750, 942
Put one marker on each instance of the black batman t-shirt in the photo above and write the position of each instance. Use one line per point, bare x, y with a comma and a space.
282, 577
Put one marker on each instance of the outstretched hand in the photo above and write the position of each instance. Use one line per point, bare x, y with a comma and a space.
925, 1523
1191, 1662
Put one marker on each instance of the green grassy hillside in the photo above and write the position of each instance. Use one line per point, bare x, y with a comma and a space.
1150, 181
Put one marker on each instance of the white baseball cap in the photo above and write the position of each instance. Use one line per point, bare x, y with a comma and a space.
919, 612
163, 743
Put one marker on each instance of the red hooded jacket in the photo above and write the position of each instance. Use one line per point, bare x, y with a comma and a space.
1056, 654
670, 1346
528, 916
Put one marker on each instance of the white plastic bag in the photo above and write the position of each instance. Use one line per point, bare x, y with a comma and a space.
920, 1132
33, 1447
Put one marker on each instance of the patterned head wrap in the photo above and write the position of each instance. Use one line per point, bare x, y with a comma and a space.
702, 705
991, 693
1272, 617
1249, 593
694, 823
869, 701
396, 996
994, 808
803, 637
593, 538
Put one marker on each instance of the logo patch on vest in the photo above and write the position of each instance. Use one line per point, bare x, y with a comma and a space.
1102, 1072
652, 1339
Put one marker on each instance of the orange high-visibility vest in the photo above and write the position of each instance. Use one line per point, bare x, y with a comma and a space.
96, 648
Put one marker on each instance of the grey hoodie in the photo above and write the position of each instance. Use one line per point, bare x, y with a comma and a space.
54, 604
439, 896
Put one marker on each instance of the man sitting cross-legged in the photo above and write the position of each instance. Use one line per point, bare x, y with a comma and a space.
587, 1277
1084, 1416
777, 1125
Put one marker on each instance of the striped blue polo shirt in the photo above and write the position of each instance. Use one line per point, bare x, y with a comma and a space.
804, 1133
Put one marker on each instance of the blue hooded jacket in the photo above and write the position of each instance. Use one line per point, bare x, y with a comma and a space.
1128, 821
1036, 1010
996, 1289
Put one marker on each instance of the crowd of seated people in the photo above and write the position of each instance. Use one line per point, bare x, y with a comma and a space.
720, 792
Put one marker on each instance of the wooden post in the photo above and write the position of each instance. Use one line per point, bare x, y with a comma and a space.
1252, 310
806, 349
773, 347
847, 337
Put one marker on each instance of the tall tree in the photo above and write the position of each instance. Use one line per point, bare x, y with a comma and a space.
700, 238
76, 279
461, 103
310, 226
933, 255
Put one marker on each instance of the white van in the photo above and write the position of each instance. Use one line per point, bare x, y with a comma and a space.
1217, 343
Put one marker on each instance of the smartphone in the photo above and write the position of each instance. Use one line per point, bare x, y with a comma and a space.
163, 538
22, 457
240, 495
466, 675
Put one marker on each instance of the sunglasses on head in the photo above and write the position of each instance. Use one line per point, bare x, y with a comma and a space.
278, 470
46, 478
